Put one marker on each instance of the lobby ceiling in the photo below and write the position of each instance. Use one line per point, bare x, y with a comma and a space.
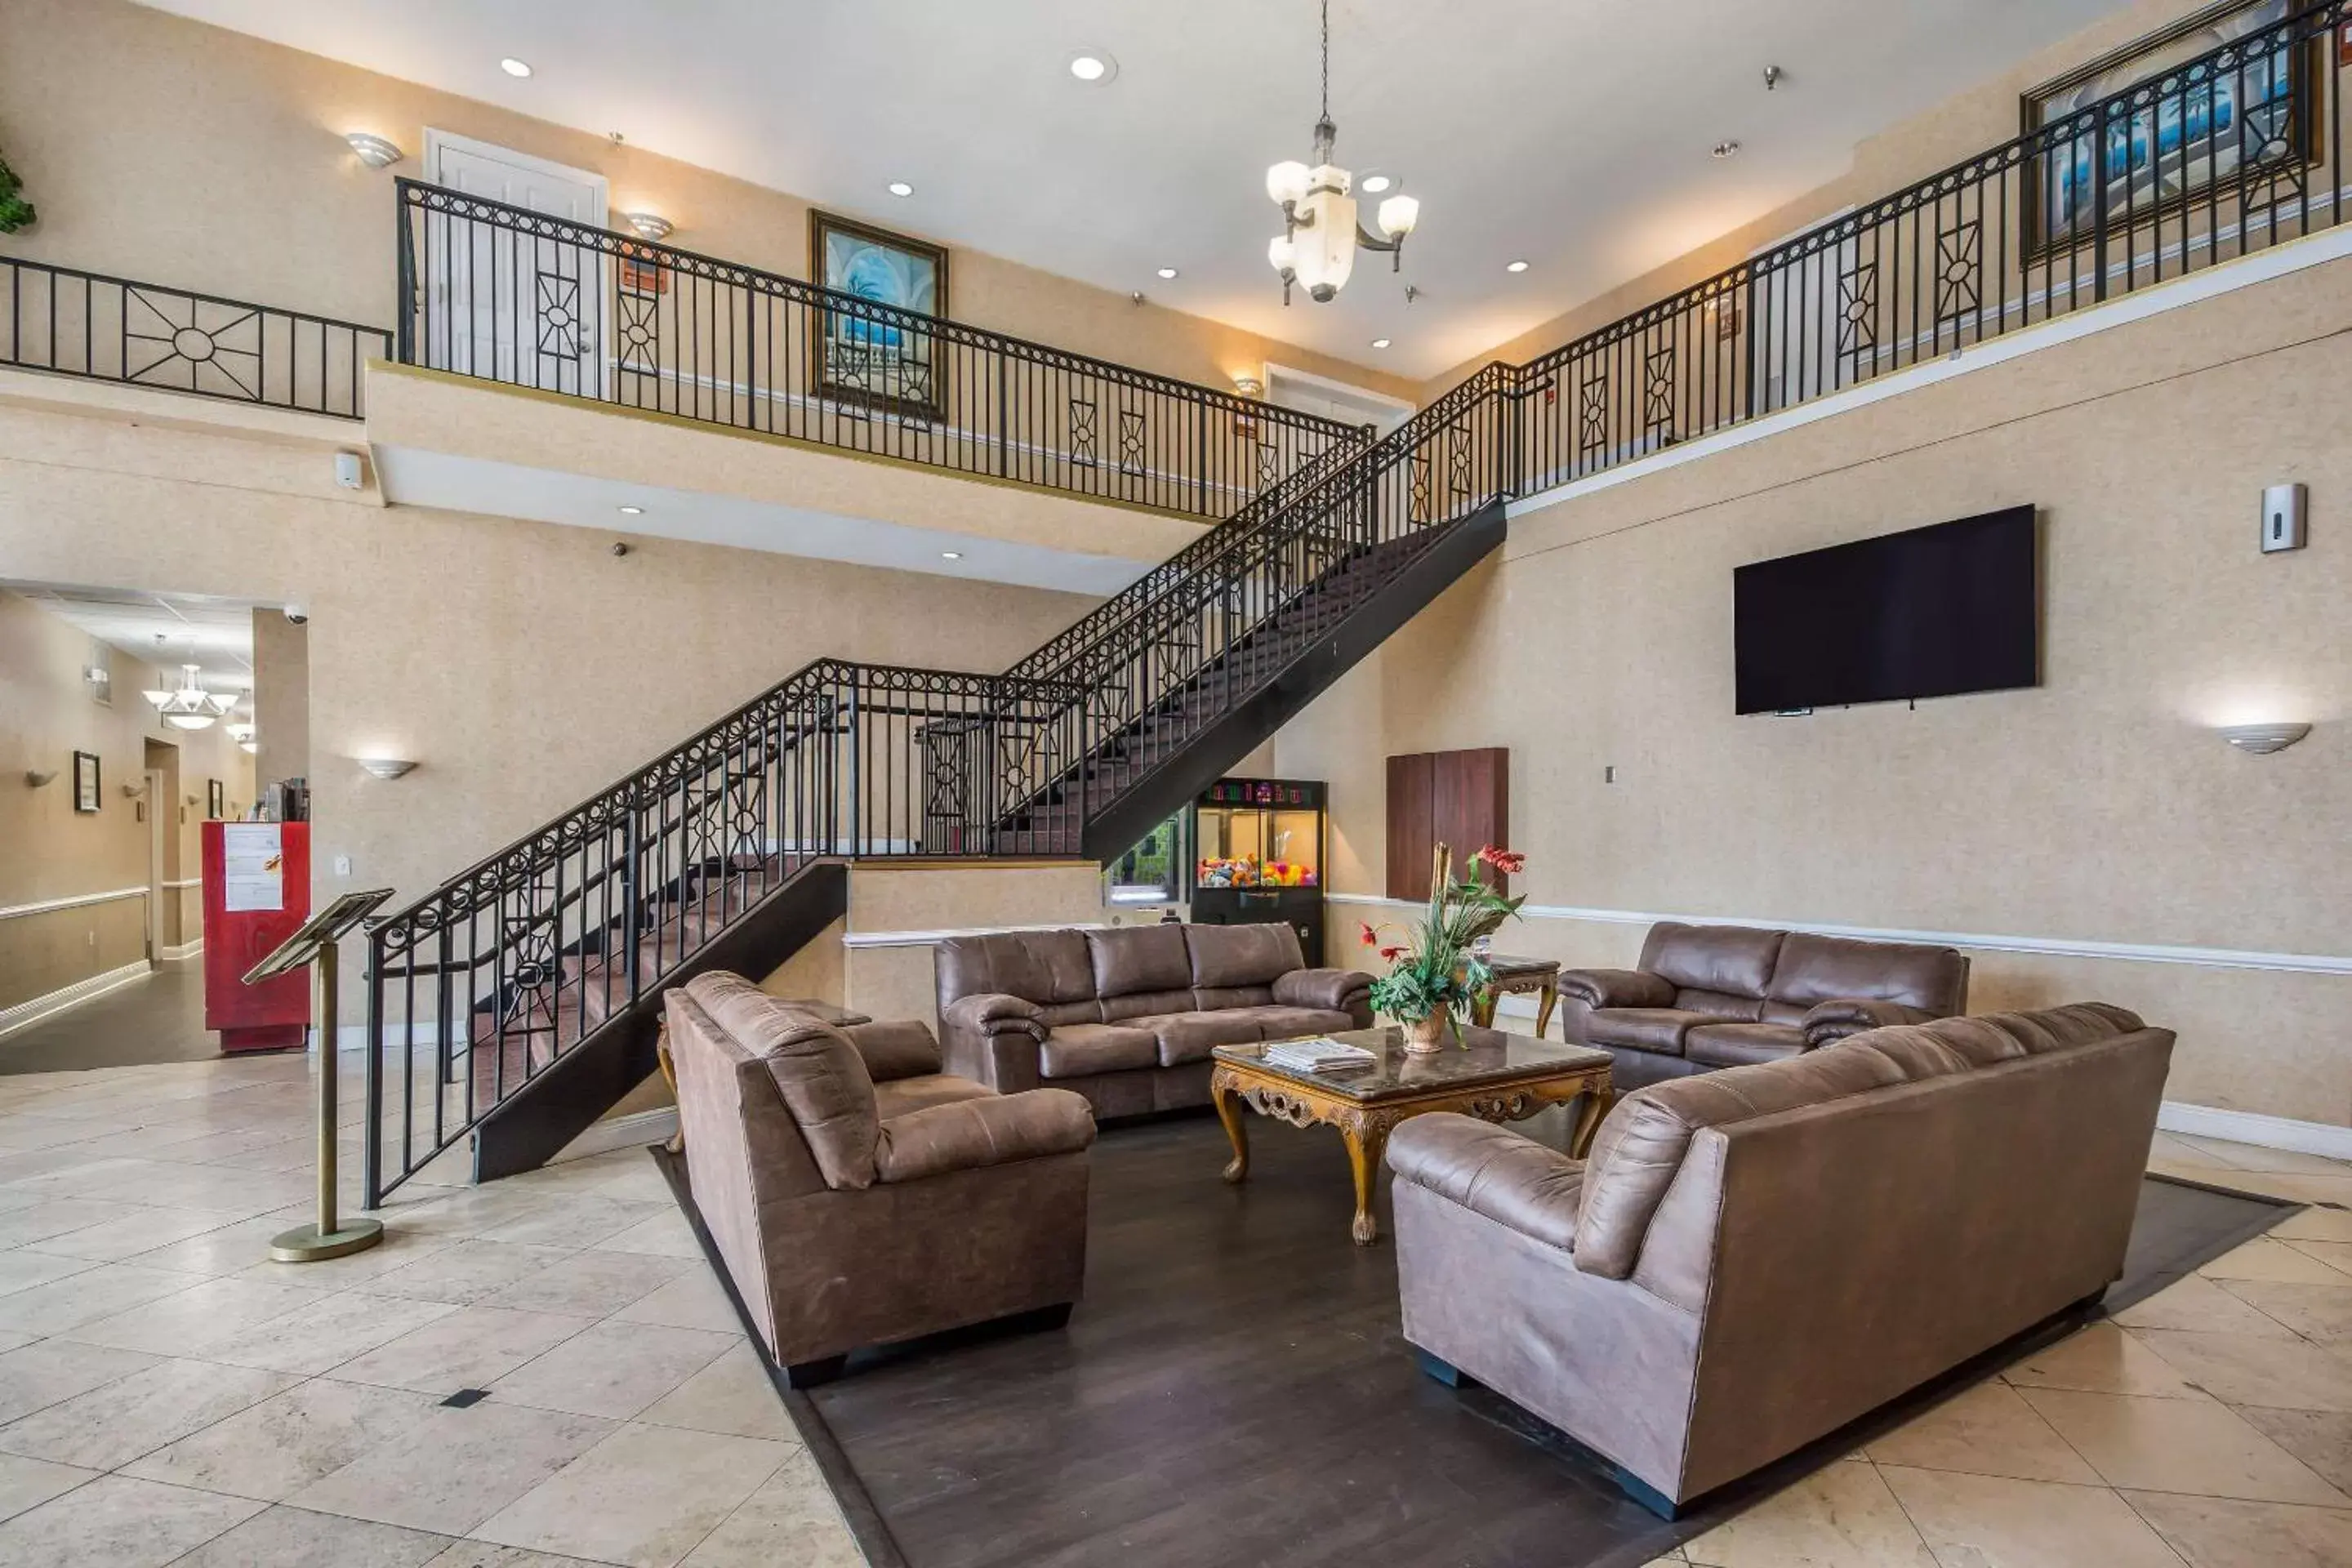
1575, 134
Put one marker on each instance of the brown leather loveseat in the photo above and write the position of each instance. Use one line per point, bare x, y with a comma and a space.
1127, 1015
857, 1195
1751, 1259
1721, 996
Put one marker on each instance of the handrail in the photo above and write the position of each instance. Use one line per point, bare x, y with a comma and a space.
850, 761
66, 322
496, 291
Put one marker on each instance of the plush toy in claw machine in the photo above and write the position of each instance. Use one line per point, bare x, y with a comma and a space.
1259, 857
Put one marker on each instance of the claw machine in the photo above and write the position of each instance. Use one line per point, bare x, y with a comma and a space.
1257, 857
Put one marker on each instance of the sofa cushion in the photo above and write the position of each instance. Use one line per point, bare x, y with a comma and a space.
1644, 1028
1721, 1005
1043, 966
1054, 1015
1208, 999
1641, 1146
818, 1072
1738, 1044
1735, 959
1146, 1005
1813, 969
1243, 954
1191, 1036
1130, 959
1280, 1022
906, 1094
1080, 1050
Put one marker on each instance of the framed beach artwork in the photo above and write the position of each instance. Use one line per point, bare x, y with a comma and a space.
879, 358
2198, 133
216, 801
85, 781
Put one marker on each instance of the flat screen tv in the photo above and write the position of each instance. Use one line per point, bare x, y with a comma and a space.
1927, 612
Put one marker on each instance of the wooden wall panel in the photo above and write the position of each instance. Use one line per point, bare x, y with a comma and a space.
1471, 803
1410, 826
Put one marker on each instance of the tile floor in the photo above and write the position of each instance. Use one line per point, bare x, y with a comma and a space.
167, 1395
2209, 1426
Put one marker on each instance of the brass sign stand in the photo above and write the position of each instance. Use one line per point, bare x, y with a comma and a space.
314, 944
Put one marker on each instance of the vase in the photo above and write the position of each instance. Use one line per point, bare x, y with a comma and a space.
1425, 1036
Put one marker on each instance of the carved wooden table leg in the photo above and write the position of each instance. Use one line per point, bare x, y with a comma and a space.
1545, 1001
1592, 1110
1229, 1111
1482, 1008
677, 1144
1366, 1138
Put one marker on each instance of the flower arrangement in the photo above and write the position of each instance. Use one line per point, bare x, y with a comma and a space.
1437, 971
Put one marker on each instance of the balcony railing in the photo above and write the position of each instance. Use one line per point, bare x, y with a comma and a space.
530, 301
70, 323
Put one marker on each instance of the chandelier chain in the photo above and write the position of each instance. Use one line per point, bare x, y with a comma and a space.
1326, 59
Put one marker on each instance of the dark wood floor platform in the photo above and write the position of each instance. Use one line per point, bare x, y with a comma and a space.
1234, 1391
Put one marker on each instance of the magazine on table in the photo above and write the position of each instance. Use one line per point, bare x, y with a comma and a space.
1321, 1054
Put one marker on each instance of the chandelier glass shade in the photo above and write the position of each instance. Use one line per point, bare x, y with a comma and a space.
190, 707
1320, 231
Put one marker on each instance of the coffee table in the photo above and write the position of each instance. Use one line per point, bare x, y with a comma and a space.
1500, 1077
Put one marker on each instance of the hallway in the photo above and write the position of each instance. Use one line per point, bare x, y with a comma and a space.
159, 1017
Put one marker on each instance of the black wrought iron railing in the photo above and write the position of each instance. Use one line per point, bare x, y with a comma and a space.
489, 981
70, 323
519, 298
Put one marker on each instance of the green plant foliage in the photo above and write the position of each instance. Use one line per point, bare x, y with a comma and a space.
15, 212
1435, 970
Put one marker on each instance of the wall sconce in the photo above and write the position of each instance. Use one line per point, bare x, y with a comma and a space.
1248, 385
133, 790
375, 151
2261, 740
386, 767
649, 225
35, 777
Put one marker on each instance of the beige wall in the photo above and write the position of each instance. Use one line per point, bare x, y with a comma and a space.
50, 851
171, 151
1934, 140
2099, 808
281, 697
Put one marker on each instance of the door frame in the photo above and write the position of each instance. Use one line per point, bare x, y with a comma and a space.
1380, 410
597, 360
158, 884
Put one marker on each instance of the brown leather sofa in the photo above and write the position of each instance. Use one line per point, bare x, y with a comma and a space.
1127, 1015
1753, 1258
1721, 996
857, 1195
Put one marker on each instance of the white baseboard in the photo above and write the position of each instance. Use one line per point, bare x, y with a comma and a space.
2250, 1127
2176, 1116
185, 950
64, 997
631, 1131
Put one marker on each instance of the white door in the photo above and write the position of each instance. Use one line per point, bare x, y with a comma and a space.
526, 310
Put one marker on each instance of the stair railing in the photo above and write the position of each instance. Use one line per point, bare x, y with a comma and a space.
492, 978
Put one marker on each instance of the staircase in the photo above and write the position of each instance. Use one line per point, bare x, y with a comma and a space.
521, 999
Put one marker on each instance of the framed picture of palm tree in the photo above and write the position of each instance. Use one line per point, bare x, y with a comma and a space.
875, 343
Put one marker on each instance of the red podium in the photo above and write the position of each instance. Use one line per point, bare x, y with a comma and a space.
257, 894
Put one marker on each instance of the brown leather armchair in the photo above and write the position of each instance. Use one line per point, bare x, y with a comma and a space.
1718, 996
1753, 1258
857, 1195
1127, 1017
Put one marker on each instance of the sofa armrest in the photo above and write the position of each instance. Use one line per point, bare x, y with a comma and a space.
967, 1134
894, 1048
1333, 989
1492, 1170
1616, 987
1843, 1015
995, 1013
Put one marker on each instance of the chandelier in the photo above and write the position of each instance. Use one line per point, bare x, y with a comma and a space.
1319, 236
191, 706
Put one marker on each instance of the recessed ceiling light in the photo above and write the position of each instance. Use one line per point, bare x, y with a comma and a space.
951, 554
1167, 272
1727, 150
1514, 266
633, 511
1373, 184
900, 188
1380, 342
1093, 66
514, 67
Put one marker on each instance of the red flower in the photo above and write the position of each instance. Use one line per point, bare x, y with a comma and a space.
1392, 954
1509, 862
1371, 938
